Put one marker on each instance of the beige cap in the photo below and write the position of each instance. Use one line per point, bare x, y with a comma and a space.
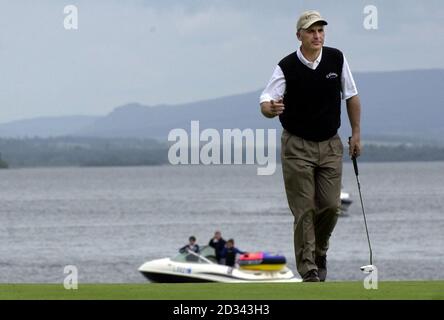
308, 18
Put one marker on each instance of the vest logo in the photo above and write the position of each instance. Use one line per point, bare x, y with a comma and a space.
331, 75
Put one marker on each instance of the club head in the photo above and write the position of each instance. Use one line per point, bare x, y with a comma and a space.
368, 268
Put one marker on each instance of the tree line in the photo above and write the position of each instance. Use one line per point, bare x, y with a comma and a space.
84, 151
80, 151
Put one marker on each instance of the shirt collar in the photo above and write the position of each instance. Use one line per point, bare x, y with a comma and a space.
307, 62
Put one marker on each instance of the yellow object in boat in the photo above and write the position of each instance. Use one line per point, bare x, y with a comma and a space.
263, 267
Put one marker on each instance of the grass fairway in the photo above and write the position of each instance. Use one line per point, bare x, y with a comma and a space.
221, 291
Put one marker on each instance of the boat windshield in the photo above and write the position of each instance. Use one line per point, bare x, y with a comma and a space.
205, 255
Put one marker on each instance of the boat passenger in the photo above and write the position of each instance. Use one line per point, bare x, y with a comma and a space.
218, 243
191, 246
229, 253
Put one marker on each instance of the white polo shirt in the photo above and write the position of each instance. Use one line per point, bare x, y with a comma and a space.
276, 86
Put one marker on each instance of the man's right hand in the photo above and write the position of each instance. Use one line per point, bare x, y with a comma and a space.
272, 108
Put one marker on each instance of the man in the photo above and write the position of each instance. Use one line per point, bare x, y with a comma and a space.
218, 243
305, 92
191, 246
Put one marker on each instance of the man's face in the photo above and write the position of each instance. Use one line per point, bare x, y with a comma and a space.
313, 37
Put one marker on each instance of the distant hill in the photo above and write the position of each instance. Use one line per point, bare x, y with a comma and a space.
46, 126
403, 104
135, 120
397, 106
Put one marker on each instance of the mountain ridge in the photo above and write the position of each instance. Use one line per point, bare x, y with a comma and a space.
405, 104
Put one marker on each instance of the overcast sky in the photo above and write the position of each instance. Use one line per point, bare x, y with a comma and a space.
174, 51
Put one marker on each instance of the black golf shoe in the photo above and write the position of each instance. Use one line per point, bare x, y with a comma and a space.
321, 263
311, 276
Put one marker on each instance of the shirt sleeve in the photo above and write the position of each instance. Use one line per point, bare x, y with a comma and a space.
275, 88
348, 85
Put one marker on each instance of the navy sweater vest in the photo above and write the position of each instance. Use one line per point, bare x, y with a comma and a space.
312, 98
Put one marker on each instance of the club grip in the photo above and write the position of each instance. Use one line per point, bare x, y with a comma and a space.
355, 163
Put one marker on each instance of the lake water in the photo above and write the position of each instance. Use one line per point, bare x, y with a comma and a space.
108, 221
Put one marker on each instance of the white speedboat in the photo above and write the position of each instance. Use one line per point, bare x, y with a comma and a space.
202, 267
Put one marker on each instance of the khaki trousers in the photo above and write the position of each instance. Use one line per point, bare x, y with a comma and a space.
312, 175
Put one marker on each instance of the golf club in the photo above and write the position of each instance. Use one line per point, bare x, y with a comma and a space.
368, 268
